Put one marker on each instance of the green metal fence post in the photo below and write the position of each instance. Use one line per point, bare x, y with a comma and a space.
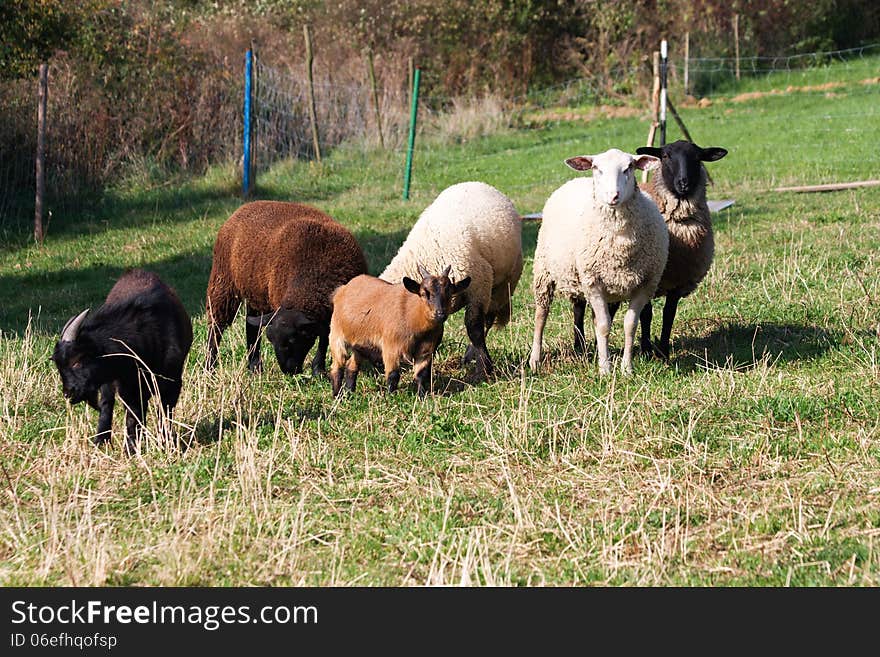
412, 134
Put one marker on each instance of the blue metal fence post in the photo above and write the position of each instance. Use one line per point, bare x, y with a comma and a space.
246, 138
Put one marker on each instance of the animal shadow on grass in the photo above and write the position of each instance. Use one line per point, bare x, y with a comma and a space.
379, 248
209, 430
51, 298
743, 346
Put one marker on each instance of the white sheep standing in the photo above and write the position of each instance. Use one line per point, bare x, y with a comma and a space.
476, 229
601, 240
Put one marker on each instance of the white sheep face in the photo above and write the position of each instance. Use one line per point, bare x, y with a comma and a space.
614, 180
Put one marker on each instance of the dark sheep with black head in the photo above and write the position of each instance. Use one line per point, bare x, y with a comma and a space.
283, 260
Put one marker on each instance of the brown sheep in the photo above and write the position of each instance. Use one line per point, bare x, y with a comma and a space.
375, 320
283, 260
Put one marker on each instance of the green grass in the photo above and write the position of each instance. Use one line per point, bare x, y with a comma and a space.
750, 459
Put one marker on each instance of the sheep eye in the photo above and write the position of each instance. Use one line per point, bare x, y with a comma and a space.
76, 365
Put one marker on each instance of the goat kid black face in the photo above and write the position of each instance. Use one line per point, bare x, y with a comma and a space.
681, 164
291, 334
437, 291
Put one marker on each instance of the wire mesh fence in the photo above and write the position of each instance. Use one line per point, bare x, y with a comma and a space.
837, 112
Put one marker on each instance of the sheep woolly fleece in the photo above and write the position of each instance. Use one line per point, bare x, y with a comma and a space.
583, 243
476, 229
691, 242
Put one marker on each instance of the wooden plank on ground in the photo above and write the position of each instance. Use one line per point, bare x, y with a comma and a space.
718, 206
832, 187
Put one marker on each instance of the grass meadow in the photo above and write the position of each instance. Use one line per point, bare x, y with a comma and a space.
752, 458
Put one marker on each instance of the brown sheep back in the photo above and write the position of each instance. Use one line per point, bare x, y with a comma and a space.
277, 257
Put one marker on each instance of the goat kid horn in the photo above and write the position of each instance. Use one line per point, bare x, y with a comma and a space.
447, 270
68, 333
422, 271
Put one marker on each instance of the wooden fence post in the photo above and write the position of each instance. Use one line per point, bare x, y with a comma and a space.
372, 72
736, 42
313, 112
39, 233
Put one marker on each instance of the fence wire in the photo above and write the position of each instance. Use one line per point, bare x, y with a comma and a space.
839, 110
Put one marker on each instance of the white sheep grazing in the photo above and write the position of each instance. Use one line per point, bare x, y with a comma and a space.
601, 240
476, 229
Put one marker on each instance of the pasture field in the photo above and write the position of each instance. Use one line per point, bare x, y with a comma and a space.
752, 458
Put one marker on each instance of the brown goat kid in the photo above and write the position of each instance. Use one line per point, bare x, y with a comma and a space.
283, 260
373, 319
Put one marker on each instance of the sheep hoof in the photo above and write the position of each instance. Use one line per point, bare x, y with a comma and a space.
470, 355
654, 351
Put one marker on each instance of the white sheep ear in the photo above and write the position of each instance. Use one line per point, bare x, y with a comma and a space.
68, 333
646, 162
580, 162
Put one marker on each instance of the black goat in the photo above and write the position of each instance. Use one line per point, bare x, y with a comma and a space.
135, 345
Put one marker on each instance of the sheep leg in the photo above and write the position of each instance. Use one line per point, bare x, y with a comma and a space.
542, 309
630, 324
645, 319
320, 359
612, 310
475, 323
252, 336
602, 327
579, 307
669, 310
470, 353
221, 312
105, 419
